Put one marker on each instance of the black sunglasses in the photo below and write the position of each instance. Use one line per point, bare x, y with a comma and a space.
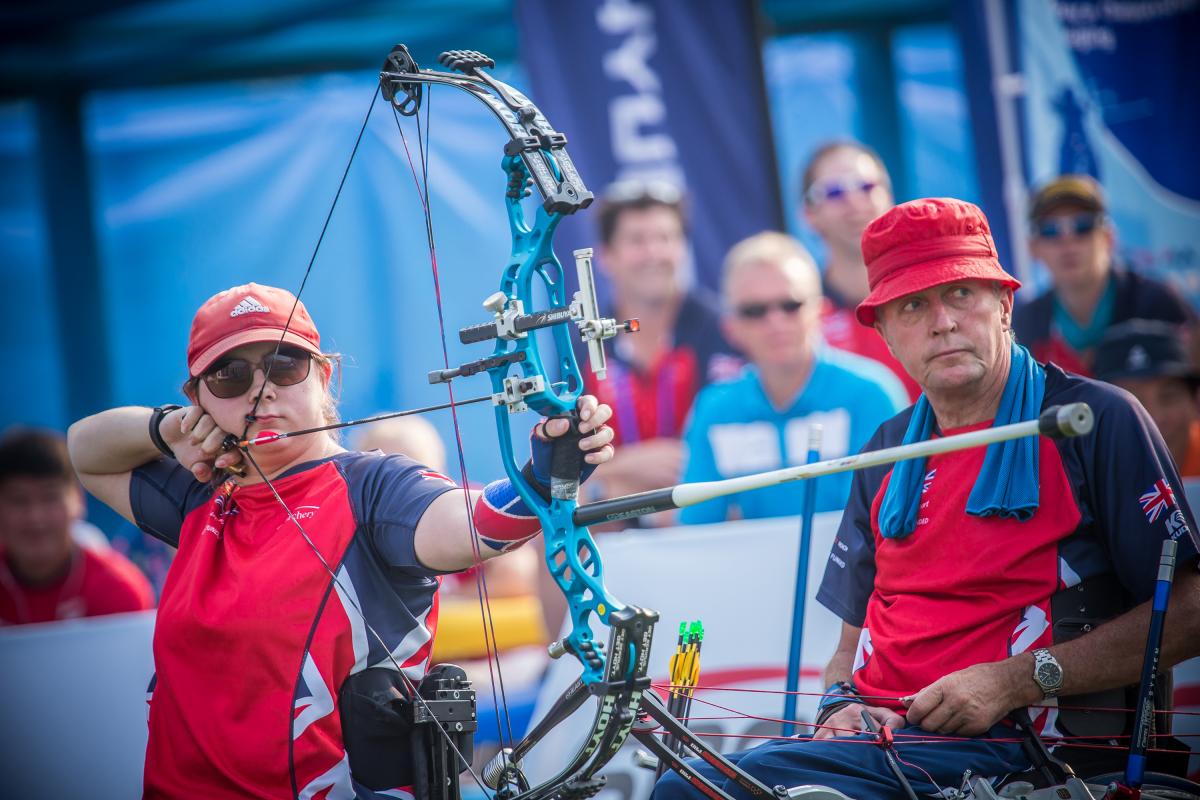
1058, 227
232, 377
760, 310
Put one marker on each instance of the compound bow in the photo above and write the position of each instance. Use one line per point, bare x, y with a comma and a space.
536, 154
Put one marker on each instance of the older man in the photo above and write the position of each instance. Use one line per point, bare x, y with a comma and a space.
760, 421
959, 579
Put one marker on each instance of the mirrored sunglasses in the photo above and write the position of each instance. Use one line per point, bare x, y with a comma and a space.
839, 189
1058, 227
232, 377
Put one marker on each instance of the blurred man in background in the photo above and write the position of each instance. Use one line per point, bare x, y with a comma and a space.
844, 186
653, 377
45, 574
760, 421
1148, 359
1071, 235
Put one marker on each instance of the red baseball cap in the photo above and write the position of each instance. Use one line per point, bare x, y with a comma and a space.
244, 315
925, 243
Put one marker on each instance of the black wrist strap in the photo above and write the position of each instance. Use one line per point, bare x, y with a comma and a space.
837, 696
156, 418
825, 712
542, 489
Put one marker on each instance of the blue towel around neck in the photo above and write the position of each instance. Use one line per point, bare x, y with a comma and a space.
1008, 482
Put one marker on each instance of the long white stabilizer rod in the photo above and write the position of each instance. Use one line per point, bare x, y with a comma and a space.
1074, 419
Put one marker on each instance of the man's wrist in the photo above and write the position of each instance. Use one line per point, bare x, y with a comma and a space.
839, 695
1025, 690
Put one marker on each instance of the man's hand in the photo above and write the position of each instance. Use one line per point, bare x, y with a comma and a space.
972, 700
196, 441
848, 719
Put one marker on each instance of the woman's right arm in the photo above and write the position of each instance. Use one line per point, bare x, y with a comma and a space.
106, 447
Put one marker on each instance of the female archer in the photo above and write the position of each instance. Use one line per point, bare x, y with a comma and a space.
300, 565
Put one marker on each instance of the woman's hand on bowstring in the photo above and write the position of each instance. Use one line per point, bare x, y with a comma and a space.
847, 720
194, 437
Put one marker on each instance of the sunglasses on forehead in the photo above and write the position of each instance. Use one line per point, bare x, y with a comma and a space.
231, 377
760, 310
1058, 227
632, 190
839, 189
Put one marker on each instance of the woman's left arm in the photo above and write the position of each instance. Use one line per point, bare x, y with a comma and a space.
443, 535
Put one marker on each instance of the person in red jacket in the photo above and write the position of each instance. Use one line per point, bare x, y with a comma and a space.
45, 574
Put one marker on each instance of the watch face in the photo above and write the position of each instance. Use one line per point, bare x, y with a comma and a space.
1049, 674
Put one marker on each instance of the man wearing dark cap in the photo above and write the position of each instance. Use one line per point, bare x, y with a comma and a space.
1071, 234
957, 577
1147, 359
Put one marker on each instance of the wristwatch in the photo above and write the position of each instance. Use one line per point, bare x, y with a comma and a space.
1047, 673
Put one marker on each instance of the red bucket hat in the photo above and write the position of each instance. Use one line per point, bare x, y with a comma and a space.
925, 243
244, 315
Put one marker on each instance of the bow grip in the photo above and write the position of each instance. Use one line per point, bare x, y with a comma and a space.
566, 460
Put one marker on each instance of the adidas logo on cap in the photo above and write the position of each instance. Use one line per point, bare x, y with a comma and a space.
249, 305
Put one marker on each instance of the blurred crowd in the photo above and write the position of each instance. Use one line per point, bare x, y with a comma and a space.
717, 383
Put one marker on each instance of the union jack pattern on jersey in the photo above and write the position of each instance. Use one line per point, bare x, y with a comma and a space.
1157, 500
293, 634
918, 601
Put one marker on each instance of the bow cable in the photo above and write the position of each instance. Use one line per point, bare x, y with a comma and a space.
422, 186
408, 682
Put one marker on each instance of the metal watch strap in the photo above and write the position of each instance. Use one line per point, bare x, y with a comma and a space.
1043, 656
156, 418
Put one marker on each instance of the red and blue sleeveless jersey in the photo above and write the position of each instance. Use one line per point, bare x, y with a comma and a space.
254, 637
962, 590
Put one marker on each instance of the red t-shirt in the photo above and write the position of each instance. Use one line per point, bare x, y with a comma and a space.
255, 638
970, 589
97, 582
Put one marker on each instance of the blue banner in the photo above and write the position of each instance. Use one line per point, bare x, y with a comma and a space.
660, 89
1109, 91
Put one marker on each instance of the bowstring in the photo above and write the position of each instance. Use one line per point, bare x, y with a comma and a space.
351, 598
408, 682
718, 688
1084, 742
421, 182
312, 260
